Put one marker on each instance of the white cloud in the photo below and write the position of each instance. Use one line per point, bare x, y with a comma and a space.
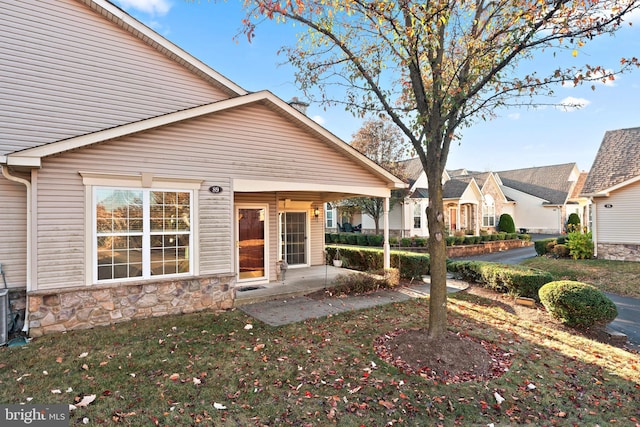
514, 116
319, 120
152, 7
570, 104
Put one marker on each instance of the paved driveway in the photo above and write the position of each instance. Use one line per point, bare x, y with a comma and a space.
628, 320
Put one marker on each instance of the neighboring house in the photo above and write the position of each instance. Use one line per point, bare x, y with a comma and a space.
539, 199
613, 189
543, 196
492, 202
137, 181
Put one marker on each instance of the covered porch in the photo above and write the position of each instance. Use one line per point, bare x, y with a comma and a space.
295, 282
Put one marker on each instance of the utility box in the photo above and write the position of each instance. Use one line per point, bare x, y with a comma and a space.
4, 316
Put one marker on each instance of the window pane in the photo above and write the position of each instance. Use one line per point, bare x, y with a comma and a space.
120, 227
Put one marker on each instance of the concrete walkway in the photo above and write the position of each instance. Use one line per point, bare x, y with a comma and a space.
297, 308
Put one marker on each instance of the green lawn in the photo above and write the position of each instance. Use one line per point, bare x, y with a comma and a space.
176, 371
618, 277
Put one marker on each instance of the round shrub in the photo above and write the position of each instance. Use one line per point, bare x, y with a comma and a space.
573, 222
506, 224
577, 304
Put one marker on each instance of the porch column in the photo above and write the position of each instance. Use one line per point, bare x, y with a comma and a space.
387, 249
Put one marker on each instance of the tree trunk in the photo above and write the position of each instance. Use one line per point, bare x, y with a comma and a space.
438, 259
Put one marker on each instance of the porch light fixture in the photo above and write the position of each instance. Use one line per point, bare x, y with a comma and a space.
316, 212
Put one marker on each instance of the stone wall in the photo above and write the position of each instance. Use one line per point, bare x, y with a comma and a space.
619, 252
485, 247
81, 308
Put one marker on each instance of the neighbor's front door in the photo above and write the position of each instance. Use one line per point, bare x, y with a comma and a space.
252, 247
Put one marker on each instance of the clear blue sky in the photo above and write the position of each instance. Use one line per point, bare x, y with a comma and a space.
518, 138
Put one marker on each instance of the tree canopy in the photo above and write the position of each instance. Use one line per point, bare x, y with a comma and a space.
435, 66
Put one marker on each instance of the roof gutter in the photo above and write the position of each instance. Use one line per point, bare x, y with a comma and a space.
27, 184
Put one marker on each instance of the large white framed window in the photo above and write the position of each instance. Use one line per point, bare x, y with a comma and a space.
488, 212
142, 233
140, 226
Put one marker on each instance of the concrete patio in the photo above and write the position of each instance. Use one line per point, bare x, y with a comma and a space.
296, 282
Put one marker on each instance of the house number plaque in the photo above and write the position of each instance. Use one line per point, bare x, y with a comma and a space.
608, 206
215, 189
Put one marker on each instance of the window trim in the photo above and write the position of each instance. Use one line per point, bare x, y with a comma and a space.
417, 208
328, 216
487, 203
144, 181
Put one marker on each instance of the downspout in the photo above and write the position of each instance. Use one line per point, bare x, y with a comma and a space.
27, 184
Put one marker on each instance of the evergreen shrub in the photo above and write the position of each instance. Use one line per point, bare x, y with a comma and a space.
577, 304
512, 279
506, 224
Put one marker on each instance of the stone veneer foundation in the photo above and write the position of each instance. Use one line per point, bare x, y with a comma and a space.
61, 310
619, 252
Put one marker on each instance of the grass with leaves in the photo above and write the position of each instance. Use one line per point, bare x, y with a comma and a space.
617, 277
213, 369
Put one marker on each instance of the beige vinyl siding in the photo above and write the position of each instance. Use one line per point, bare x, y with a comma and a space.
251, 142
13, 234
621, 222
67, 71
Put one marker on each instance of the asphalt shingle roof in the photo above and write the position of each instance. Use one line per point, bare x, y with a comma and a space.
617, 160
454, 188
550, 183
412, 168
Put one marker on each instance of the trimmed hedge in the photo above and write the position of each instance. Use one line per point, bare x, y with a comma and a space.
542, 246
410, 264
577, 304
512, 279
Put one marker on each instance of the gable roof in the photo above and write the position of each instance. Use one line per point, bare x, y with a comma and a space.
32, 157
577, 189
412, 169
617, 162
549, 183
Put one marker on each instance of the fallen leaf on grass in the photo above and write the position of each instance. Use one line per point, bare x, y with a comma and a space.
387, 404
85, 401
219, 406
174, 377
85, 354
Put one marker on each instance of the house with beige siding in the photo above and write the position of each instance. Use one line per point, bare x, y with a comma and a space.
539, 199
137, 181
544, 196
613, 190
